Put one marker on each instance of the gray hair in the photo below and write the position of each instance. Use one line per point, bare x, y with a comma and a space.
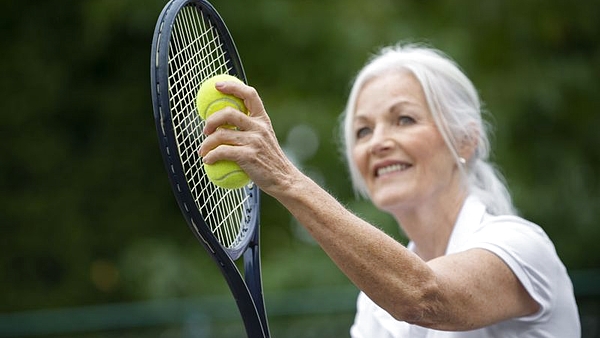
457, 113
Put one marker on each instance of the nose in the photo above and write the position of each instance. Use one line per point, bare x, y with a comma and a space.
381, 141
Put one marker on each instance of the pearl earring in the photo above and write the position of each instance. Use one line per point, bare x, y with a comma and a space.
462, 160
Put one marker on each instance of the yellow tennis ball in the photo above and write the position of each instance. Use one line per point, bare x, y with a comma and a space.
225, 174
210, 100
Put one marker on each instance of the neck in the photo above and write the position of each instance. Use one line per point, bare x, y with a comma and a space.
430, 225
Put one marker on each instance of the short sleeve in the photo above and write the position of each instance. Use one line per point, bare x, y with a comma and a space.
528, 252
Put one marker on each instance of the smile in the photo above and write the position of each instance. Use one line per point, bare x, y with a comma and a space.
391, 168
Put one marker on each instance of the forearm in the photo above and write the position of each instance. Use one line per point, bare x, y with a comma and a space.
386, 271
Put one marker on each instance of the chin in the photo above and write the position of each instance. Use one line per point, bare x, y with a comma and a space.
389, 200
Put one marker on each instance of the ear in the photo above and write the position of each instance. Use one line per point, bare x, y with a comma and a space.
469, 142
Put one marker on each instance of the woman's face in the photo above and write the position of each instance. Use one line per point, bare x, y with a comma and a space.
399, 150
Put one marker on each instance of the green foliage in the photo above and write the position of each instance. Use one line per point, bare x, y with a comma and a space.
85, 207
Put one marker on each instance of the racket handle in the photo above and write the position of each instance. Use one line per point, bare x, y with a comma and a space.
253, 278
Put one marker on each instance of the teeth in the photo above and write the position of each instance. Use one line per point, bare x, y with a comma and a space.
391, 168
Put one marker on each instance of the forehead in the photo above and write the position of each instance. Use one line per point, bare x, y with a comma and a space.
384, 91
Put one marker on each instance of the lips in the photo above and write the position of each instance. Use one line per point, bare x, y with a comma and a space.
390, 168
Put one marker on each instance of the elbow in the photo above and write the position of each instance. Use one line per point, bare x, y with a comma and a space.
424, 307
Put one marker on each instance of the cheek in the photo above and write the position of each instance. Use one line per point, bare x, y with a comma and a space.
359, 159
430, 148
439, 158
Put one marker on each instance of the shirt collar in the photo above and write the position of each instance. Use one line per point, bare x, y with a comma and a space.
468, 221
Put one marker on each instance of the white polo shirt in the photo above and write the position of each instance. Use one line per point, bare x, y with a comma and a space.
527, 250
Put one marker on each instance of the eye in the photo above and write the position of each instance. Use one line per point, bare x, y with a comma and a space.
362, 132
405, 120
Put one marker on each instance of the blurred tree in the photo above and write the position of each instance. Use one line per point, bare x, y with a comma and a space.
86, 211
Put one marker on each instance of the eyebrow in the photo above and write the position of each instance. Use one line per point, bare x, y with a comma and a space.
399, 105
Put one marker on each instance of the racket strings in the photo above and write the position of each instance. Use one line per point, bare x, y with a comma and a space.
196, 53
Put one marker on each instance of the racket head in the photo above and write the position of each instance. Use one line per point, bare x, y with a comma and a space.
192, 43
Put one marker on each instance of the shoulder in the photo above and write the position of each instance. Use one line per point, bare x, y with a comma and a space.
514, 235
522, 244
474, 227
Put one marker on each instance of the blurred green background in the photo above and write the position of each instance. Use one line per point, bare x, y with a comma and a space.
91, 233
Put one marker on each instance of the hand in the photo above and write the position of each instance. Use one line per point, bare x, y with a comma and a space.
253, 145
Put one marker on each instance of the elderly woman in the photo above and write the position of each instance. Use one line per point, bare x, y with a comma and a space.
417, 147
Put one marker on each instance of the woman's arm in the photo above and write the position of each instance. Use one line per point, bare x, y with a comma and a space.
457, 292
462, 291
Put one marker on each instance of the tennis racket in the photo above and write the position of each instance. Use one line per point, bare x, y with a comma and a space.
191, 43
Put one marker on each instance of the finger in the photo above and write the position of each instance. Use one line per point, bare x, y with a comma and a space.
247, 93
221, 152
221, 136
227, 116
